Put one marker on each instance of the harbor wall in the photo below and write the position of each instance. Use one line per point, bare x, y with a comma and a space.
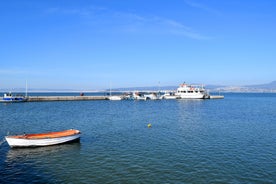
83, 98
64, 98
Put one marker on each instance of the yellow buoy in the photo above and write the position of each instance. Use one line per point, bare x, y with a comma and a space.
149, 125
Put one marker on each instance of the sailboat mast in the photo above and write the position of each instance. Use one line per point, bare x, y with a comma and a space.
26, 89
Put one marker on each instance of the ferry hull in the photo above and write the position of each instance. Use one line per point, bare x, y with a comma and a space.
199, 96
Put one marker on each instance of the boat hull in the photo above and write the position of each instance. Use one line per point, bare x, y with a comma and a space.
115, 98
48, 140
13, 100
9, 98
194, 96
171, 97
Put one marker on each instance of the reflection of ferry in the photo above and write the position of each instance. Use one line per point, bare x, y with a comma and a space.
8, 97
191, 91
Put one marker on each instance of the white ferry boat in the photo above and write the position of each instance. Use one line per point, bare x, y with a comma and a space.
187, 91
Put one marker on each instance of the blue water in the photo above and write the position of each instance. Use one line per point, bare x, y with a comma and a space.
231, 140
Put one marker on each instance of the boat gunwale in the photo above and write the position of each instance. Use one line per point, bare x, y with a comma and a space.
48, 135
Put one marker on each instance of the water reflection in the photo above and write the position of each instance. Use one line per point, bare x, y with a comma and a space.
37, 165
21, 154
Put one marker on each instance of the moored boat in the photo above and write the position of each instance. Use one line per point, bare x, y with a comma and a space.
115, 98
8, 97
138, 96
43, 139
151, 96
169, 96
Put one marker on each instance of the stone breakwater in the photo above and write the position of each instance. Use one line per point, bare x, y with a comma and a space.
82, 98
64, 98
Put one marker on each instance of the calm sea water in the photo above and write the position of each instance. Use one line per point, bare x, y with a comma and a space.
232, 140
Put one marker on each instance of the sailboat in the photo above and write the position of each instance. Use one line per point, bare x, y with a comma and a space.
115, 97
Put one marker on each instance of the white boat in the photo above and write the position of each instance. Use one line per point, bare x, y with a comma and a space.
138, 96
169, 96
186, 91
115, 98
43, 139
8, 97
151, 96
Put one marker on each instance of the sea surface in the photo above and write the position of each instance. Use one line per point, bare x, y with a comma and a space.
230, 140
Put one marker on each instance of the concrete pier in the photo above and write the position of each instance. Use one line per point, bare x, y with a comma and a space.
83, 98
216, 97
64, 98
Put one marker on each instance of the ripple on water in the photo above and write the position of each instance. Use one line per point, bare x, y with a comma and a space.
199, 141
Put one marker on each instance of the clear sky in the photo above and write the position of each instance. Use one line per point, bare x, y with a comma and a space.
95, 44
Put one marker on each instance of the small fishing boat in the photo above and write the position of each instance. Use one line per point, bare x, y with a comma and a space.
169, 96
115, 98
138, 96
151, 96
8, 97
43, 139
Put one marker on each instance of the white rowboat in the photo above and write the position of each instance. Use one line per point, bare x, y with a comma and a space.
43, 139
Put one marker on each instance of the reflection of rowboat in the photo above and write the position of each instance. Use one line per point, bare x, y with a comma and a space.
43, 139
42, 152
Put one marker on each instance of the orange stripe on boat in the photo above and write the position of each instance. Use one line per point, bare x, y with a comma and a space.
47, 135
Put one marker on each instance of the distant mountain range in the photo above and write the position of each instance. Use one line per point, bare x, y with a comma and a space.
270, 87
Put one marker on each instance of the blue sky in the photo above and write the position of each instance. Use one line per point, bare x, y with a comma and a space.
95, 44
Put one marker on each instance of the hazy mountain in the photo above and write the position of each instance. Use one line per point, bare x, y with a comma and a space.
148, 88
269, 87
